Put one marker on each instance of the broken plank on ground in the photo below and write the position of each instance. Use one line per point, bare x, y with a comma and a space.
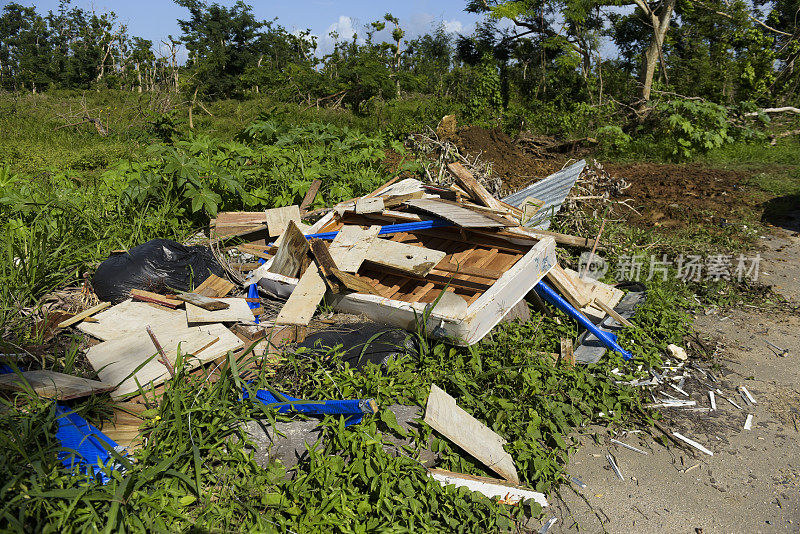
573, 289
84, 314
291, 253
471, 185
236, 311
278, 219
302, 303
129, 317
116, 360
53, 385
327, 266
369, 205
214, 286
351, 245
446, 417
155, 298
490, 487
202, 301
404, 257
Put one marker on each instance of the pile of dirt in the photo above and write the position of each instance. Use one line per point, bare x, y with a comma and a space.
675, 196
516, 168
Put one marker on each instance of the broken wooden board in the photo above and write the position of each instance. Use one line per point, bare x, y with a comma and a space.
214, 286
354, 283
351, 245
396, 200
598, 292
53, 385
129, 317
572, 289
236, 311
311, 194
369, 205
404, 257
475, 189
327, 266
203, 302
233, 222
446, 417
458, 214
302, 303
291, 252
155, 298
490, 487
116, 359
84, 314
567, 351
124, 427
278, 218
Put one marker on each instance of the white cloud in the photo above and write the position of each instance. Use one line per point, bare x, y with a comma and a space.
453, 26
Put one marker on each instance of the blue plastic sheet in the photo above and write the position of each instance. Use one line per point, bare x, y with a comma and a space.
88, 447
353, 409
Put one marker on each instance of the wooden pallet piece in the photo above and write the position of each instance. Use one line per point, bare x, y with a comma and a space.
84, 314
311, 194
202, 301
302, 303
233, 222
395, 200
155, 298
236, 311
292, 251
53, 385
116, 359
278, 218
475, 189
129, 317
458, 214
351, 245
573, 289
446, 417
355, 283
369, 205
214, 287
402, 257
327, 266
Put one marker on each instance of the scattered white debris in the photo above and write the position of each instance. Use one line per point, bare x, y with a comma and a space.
690, 468
748, 424
673, 404
693, 443
679, 390
731, 401
747, 394
629, 447
713, 400
613, 465
546, 526
677, 352
580, 483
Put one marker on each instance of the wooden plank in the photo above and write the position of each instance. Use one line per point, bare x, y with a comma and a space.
400, 256
451, 267
613, 313
237, 311
471, 185
278, 218
457, 214
351, 245
131, 317
369, 205
203, 301
116, 359
446, 417
311, 194
490, 487
354, 283
291, 252
567, 351
302, 303
396, 200
564, 239
254, 252
214, 286
52, 385
84, 314
573, 289
326, 264
155, 298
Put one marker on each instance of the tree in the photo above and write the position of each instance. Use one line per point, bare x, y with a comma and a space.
24, 48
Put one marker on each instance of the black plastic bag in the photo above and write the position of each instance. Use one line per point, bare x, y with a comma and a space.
363, 342
159, 265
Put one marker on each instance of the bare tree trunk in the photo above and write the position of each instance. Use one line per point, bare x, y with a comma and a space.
654, 51
191, 106
139, 76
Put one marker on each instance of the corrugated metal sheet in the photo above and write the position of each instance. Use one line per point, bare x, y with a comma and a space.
552, 191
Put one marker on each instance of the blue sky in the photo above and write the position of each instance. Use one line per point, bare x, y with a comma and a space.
155, 19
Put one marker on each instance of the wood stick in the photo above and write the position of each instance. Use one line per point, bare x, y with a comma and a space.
613, 313
84, 314
163, 359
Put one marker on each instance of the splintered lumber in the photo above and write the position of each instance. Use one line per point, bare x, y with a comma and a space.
490, 487
612, 312
116, 360
155, 298
471, 185
564, 239
369, 205
278, 218
291, 252
302, 303
573, 289
396, 200
131, 317
214, 286
354, 283
311, 194
350, 246
202, 301
236, 311
458, 214
446, 417
404, 257
229, 223
325, 263
84, 314
124, 425
52, 385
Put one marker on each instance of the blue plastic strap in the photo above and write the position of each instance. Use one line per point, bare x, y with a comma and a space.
609, 339
394, 228
353, 409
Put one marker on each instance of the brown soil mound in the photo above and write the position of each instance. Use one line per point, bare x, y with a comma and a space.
677, 195
511, 164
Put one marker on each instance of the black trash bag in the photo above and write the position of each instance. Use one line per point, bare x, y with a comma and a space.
386, 343
159, 265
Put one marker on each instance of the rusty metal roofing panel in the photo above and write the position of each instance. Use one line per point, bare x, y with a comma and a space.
551, 190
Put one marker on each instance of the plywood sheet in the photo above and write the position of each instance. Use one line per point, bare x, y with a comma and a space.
351, 244
401, 256
291, 252
131, 317
214, 286
278, 218
53, 385
116, 359
237, 311
302, 303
